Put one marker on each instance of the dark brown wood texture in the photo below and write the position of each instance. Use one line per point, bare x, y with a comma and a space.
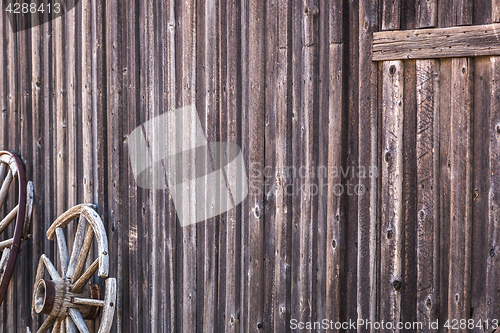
293, 83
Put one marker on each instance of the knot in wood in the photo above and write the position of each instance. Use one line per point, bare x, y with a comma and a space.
397, 285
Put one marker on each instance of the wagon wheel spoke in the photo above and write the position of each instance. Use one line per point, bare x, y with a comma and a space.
82, 258
50, 268
29, 207
70, 326
6, 243
77, 246
88, 301
85, 277
3, 261
3, 168
5, 187
8, 219
63, 250
47, 324
78, 320
63, 326
57, 327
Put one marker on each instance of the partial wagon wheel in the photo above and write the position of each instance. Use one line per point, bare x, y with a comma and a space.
67, 297
12, 173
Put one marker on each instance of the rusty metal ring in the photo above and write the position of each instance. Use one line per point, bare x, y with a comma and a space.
18, 233
94, 294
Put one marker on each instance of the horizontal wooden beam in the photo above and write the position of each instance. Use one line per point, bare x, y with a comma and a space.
463, 41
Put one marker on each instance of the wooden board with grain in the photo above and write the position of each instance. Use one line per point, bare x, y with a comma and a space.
452, 42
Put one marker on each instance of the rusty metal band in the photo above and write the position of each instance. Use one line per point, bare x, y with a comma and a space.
94, 294
49, 296
18, 232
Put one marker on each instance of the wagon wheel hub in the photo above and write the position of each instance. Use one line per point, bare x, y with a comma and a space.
55, 298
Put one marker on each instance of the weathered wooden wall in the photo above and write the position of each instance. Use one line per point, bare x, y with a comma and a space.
292, 82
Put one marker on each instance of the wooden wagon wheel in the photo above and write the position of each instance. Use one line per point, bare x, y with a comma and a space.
12, 169
67, 297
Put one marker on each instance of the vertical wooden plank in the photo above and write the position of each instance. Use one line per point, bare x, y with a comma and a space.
72, 158
233, 265
455, 209
88, 99
10, 143
117, 214
12, 72
368, 161
428, 192
99, 113
162, 317
461, 190
444, 183
391, 201
392, 192
248, 204
203, 104
481, 172
320, 249
255, 152
446, 18
453, 13
305, 163
491, 194
495, 11
72, 124
61, 114
49, 161
149, 108
493, 197
87, 88
145, 210
38, 151
170, 93
187, 96
349, 286
271, 54
282, 282
463, 9
24, 147
391, 14
483, 86
224, 119
427, 13
427, 145
297, 63
336, 216
336, 27
409, 288
208, 101
129, 256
